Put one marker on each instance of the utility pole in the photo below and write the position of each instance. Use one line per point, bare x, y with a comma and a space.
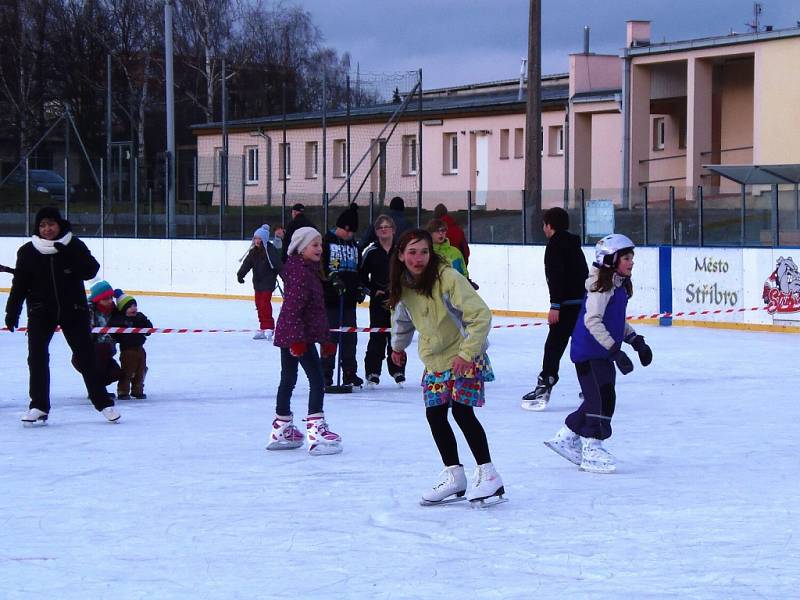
171, 156
533, 120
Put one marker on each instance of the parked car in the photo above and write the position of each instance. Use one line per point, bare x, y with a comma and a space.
42, 182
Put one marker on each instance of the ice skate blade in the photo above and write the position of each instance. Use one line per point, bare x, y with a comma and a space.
37, 423
325, 449
338, 389
448, 500
284, 445
555, 448
482, 503
606, 470
533, 405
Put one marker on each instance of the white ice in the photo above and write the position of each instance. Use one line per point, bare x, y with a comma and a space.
181, 500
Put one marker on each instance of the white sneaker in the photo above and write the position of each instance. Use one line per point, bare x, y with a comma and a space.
260, 335
268, 334
321, 440
486, 483
111, 413
595, 458
566, 443
34, 417
284, 435
452, 482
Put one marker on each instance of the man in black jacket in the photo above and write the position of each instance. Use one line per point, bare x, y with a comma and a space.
49, 277
566, 272
343, 292
299, 220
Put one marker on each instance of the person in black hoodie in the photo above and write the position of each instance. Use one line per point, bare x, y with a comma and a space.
49, 277
343, 291
131, 348
566, 272
299, 220
375, 276
397, 207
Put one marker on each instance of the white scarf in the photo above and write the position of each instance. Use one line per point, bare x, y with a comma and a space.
48, 246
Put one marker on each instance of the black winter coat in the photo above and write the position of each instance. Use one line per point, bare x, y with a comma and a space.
127, 341
375, 268
52, 284
565, 269
265, 266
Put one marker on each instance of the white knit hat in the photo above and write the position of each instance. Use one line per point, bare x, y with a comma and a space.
302, 238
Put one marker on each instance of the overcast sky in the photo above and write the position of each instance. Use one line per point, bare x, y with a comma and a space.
468, 41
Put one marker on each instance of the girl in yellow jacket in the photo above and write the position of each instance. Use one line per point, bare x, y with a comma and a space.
453, 322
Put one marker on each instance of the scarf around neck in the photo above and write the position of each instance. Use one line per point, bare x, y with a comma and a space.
48, 246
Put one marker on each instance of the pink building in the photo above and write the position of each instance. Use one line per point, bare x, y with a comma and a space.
611, 126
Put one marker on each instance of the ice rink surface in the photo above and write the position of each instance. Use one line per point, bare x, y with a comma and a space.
181, 500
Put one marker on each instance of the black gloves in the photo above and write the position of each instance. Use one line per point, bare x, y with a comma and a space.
240, 279
338, 285
361, 294
621, 359
59, 246
642, 349
12, 322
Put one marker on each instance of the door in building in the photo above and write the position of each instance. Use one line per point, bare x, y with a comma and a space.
481, 169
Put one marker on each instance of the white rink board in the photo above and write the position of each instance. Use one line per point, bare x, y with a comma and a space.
511, 278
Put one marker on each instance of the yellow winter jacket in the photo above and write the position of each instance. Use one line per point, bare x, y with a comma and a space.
454, 322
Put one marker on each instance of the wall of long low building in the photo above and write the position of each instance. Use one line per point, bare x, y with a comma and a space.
511, 278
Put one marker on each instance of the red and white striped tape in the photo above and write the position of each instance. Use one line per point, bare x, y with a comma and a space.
665, 315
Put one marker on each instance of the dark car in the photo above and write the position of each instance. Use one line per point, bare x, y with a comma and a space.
42, 182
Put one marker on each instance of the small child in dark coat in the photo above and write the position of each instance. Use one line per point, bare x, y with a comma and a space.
101, 309
131, 346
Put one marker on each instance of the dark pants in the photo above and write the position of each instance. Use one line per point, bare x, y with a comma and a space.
379, 347
76, 331
592, 419
134, 369
347, 349
557, 340
316, 387
445, 438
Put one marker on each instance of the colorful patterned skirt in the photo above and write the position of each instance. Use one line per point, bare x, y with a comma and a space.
439, 388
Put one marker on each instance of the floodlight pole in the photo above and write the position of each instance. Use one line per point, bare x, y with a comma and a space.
170, 99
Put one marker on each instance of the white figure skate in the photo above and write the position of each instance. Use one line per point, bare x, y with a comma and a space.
321, 440
595, 458
487, 487
451, 487
34, 417
284, 435
566, 443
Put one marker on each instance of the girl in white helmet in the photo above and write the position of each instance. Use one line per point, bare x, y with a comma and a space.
595, 350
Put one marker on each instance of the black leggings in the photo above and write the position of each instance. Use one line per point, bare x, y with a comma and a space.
445, 438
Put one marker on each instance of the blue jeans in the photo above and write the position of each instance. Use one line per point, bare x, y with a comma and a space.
312, 365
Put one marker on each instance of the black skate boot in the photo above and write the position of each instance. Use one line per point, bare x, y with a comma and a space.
352, 379
399, 379
537, 399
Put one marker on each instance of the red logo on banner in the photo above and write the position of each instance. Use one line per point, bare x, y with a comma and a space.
782, 288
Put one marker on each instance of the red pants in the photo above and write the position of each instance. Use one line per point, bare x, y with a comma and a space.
264, 309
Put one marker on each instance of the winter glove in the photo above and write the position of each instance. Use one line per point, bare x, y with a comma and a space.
327, 349
642, 349
240, 279
298, 349
399, 358
361, 294
338, 285
621, 359
12, 322
60, 247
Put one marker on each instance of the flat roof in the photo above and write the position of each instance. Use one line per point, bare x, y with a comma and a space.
758, 174
711, 42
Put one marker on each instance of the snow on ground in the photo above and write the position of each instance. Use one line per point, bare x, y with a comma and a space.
180, 499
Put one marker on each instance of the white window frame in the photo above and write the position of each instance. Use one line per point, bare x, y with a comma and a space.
285, 161
340, 157
452, 153
560, 141
312, 160
659, 133
519, 142
217, 166
410, 156
505, 136
251, 153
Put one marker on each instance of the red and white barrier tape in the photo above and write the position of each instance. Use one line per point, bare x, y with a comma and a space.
665, 315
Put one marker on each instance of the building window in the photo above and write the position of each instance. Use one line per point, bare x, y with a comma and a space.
312, 160
285, 161
659, 133
555, 140
217, 166
340, 158
504, 143
519, 142
451, 153
409, 155
252, 164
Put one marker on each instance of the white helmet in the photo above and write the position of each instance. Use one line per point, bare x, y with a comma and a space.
608, 249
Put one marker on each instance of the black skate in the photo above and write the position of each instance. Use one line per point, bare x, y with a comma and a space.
538, 399
353, 380
399, 379
373, 380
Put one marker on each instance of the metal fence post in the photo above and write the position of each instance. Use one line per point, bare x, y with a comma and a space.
644, 214
102, 197
166, 191
775, 220
371, 205
582, 196
28, 198
672, 215
194, 198
700, 215
742, 217
136, 197
66, 184
325, 211
244, 174
469, 216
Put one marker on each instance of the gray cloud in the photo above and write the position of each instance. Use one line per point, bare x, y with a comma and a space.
468, 41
